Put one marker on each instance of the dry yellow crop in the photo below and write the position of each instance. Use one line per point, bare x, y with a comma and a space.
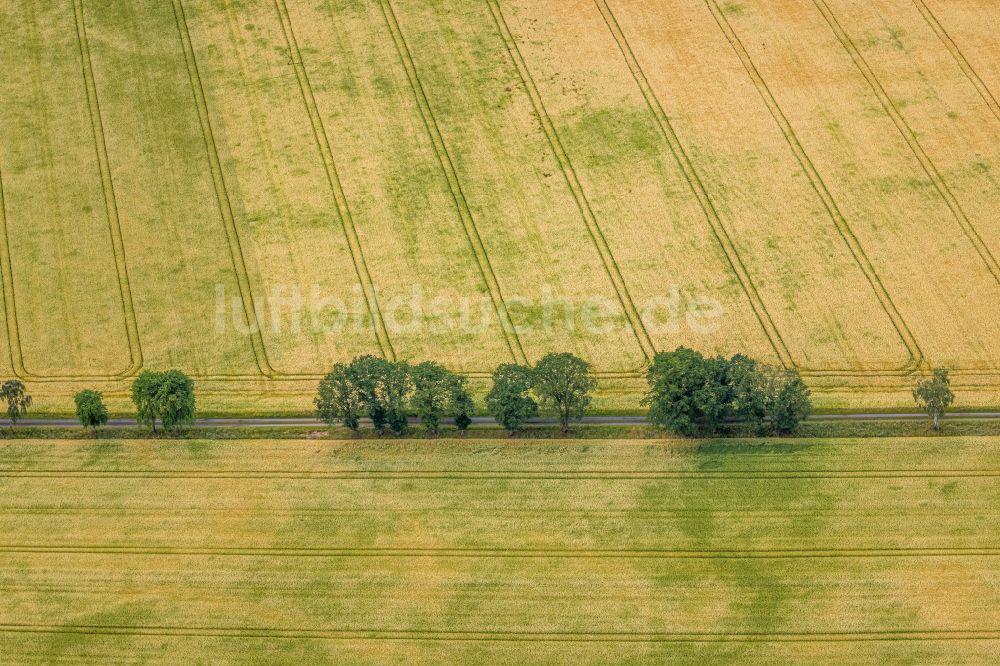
596, 551
253, 191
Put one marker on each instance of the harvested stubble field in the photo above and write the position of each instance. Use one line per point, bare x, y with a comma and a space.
812, 182
481, 551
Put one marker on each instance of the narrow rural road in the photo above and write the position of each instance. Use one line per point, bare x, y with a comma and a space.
479, 420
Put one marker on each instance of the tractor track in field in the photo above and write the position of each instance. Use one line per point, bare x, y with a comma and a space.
222, 194
506, 553
697, 187
823, 192
597, 237
343, 209
277, 633
265, 143
956, 53
450, 173
114, 231
910, 137
110, 200
430, 511
492, 475
720, 232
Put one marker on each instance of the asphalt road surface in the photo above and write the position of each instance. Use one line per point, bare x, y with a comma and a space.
479, 420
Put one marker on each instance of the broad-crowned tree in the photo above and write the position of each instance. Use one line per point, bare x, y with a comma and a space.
509, 400
167, 396
433, 393
563, 381
90, 409
340, 399
687, 392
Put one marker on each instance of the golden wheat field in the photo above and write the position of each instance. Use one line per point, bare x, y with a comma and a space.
483, 551
253, 190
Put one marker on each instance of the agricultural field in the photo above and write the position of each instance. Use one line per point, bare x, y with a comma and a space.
479, 551
251, 191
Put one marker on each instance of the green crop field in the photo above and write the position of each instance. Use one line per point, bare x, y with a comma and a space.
479, 551
253, 190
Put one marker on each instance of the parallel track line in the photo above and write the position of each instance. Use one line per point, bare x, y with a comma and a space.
910, 137
447, 165
110, 200
514, 475
222, 195
504, 636
514, 553
819, 186
343, 209
956, 53
611, 267
698, 188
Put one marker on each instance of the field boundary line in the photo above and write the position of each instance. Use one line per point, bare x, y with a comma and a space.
222, 194
508, 553
819, 186
959, 57
697, 188
909, 137
487, 475
110, 200
10, 309
284, 213
611, 266
333, 179
444, 160
503, 636
111, 210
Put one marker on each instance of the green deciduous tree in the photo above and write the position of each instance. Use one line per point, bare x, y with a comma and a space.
144, 389
368, 373
563, 381
688, 392
438, 392
787, 399
462, 406
394, 392
691, 394
90, 409
340, 398
509, 400
934, 395
14, 393
167, 396
748, 391
433, 393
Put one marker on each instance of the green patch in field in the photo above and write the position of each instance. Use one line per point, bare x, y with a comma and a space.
981, 167
949, 489
604, 137
101, 453
761, 447
733, 8
201, 450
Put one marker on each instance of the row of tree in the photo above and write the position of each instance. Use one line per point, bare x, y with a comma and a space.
384, 391
689, 394
387, 392
692, 395
167, 397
